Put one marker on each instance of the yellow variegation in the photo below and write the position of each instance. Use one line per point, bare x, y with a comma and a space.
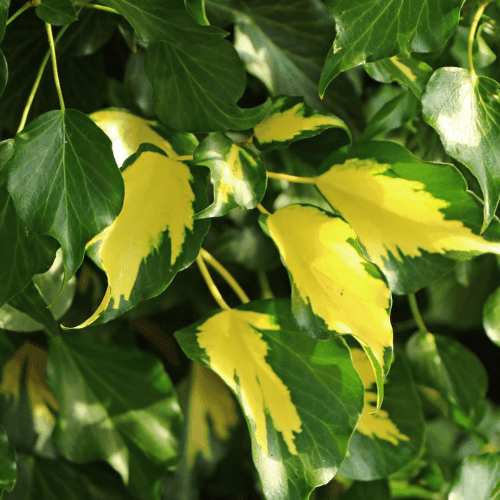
237, 354
395, 215
209, 400
330, 274
375, 425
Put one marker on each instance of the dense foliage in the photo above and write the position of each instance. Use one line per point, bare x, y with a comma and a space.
337, 161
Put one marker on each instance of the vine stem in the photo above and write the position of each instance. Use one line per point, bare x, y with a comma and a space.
100, 7
26, 6
472, 34
38, 80
185, 158
263, 210
210, 283
416, 313
48, 27
228, 277
291, 178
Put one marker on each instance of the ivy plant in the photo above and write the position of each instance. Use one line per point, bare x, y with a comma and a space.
217, 222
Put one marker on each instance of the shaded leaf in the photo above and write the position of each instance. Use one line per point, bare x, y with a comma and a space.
299, 428
482, 55
57, 12
197, 9
4, 15
169, 20
491, 317
290, 119
197, 90
8, 466
375, 490
390, 439
478, 477
413, 218
465, 111
406, 25
64, 181
410, 73
335, 290
4, 72
117, 405
238, 175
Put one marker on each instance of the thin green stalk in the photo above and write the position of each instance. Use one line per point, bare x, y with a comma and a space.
26, 6
48, 27
472, 35
210, 283
416, 313
101, 7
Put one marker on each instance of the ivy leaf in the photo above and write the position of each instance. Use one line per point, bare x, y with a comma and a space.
4, 72
64, 181
156, 20
409, 72
4, 15
238, 175
478, 477
465, 111
413, 218
290, 119
57, 12
491, 317
390, 439
197, 9
8, 467
197, 90
335, 290
300, 428
125, 402
446, 366
406, 25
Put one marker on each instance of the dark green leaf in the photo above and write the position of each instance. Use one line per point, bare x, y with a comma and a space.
117, 405
57, 12
197, 9
8, 467
478, 477
445, 365
374, 490
168, 20
4, 72
238, 175
300, 418
384, 28
6, 349
465, 110
195, 87
65, 182
4, 14
491, 317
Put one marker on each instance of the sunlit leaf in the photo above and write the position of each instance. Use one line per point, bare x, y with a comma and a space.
291, 119
465, 110
198, 89
367, 32
8, 467
117, 405
300, 418
64, 181
491, 316
335, 290
411, 217
57, 12
390, 439
238, 175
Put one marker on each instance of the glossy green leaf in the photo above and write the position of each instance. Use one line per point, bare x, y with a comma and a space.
390, 439
300, 419
238, 175
478, 477
491, 317
290, 119
409, 72
117, 405
197, 9
413, 218
335, 290
4, 15
4, 72
64, 181
375, 490
406, 25
169, 20
8, 466
465, 110
57, 12
197, 90
446, 366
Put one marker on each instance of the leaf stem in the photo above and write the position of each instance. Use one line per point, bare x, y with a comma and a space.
292, 178
26, 6
185, 158
228, 277
263, 210
48, 27
265, 286
100, 7
416, 313
38, 80
210, 283
472, 34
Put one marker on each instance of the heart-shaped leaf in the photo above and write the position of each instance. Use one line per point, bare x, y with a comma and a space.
57, 12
